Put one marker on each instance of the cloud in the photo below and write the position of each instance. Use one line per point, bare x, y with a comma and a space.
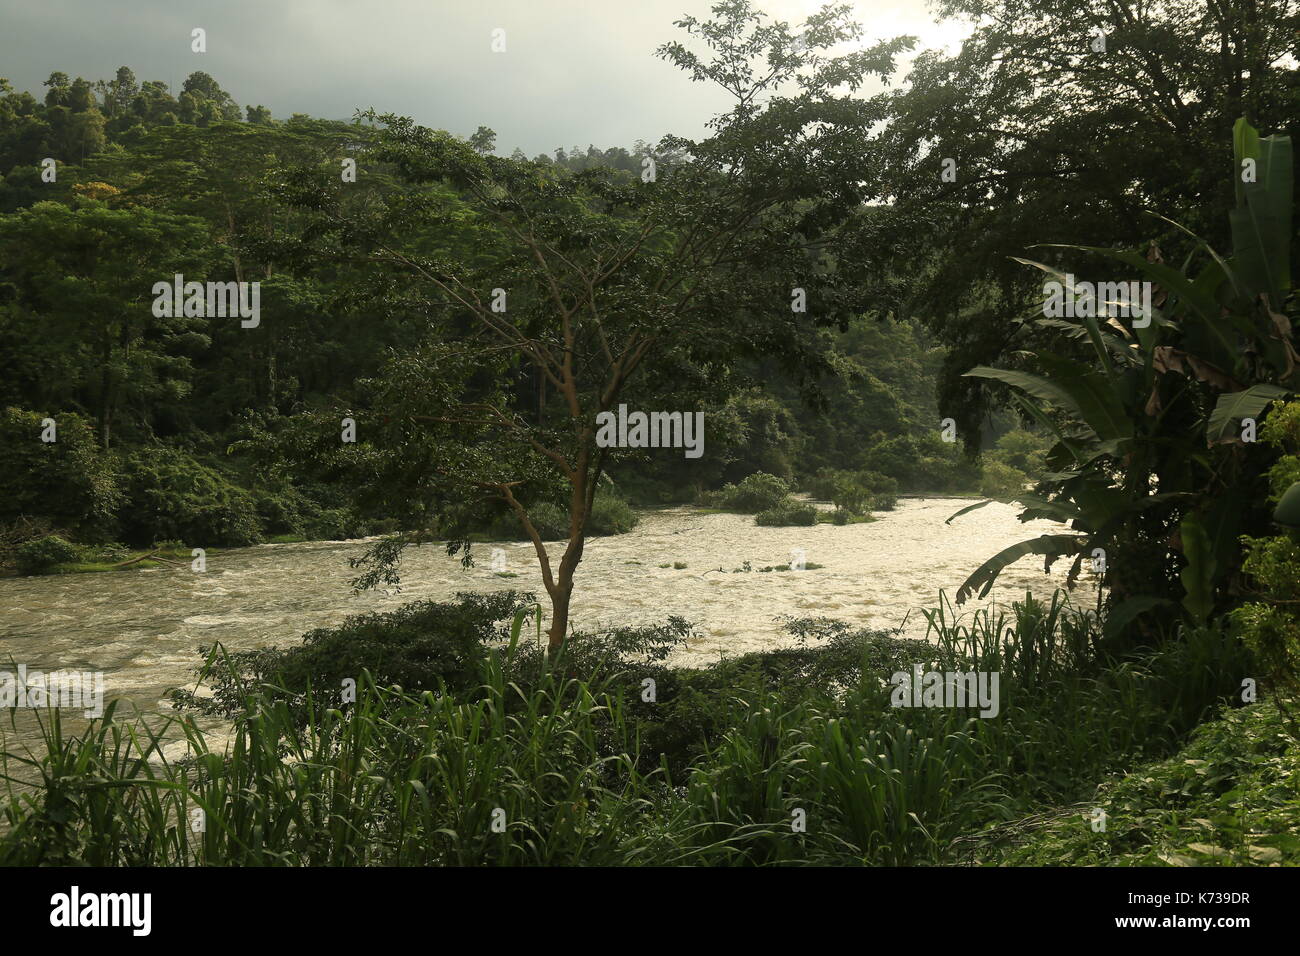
574, 72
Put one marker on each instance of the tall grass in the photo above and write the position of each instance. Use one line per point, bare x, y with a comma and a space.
551, 768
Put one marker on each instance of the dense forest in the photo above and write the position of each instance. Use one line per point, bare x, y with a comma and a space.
916, 291
160, 416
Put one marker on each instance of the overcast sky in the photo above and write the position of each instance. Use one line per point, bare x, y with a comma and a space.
574, 72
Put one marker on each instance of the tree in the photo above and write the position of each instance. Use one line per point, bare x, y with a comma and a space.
484, 140
587, 291
1155, 466
1059, 136
82, 278
58, 95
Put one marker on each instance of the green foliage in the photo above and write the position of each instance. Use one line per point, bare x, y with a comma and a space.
42, 554
757, 492
1148, 452
426, 645
170, 494
1020, 449
854, 493
69, 481
999, 480
922, 462
588, 770
1271, 627
610, 514
1156, 138
1226, 799
788, 511
335, 524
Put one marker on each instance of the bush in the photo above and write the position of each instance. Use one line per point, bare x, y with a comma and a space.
42, 554
1022, 450
284, 510
848, 495
821, 485
855, 492
336, 524
550, 520
882, 488
69, 481
788, 512
425, 645
1270, 625
924, 463
758, 492
170, 494
999, 480
610, 514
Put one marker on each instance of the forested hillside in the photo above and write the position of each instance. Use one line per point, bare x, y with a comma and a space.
172, 418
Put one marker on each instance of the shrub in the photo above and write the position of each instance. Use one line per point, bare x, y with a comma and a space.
69, 481
425, 645
883, 490
336, 524
284, 510
1000, 480
758, 492
821, 485
42, 554
610, 514
550, 520
856, 492
1022, 450
922, 463
170, 494
848, 495
788, 512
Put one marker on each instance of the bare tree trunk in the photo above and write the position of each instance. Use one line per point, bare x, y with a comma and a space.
561, 591
560, 596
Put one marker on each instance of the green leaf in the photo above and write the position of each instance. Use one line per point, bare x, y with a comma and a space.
1198, 575
1261, 223
968, 509
1052, 545
1287, 513
1128, 610
1075, 388
1248, 403
1168, 278
1245, 143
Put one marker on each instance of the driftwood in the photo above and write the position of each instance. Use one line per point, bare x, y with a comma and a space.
143, 557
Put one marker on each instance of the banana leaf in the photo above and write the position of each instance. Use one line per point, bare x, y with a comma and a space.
1198, 575
1086, 394
1230, 408
1128, 610
1287, 513
1261, 223
1052, 545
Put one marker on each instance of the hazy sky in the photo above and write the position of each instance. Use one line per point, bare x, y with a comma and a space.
574, 71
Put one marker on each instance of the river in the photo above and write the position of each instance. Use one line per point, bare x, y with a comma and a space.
143, 628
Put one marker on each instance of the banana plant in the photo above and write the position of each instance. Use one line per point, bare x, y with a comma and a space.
1150, 459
